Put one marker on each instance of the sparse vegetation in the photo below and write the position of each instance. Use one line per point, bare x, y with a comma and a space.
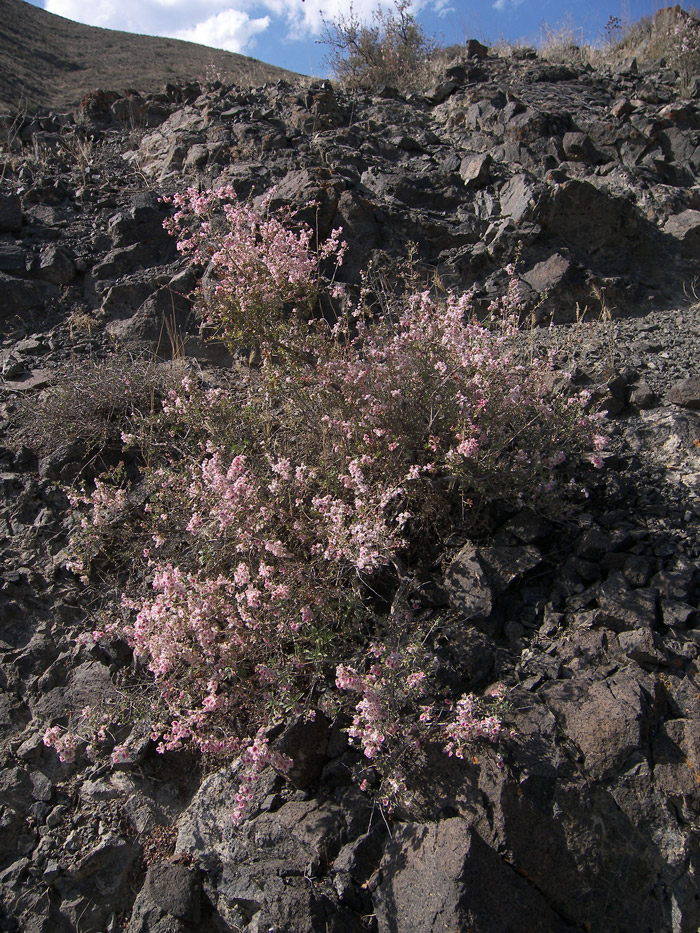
672, 34
393, 49
562, 43
91, 402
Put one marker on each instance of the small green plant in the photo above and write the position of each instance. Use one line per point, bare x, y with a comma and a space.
393, 49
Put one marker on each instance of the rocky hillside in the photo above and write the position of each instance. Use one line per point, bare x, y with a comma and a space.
48, 61
586, 817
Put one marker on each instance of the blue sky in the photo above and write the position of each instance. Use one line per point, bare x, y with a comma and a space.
286, 32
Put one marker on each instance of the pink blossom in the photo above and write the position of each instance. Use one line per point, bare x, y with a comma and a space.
120, 754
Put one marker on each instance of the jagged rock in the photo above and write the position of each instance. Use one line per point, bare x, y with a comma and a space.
466, 658
141, 222
607, 719
622, 108
518, 199
474, 170
64, 462
578, 148
164, 321
476, 49
304, 741
15, 836
685, 227
528, 527
123, 261
637, 570
593, 544
265, 863
548, 275
468, 588
169, 902
506, 565
113, 852
18, 296
642, 395
676, 584
622, 609
87, 684
677, 757
676, 613
128, 295
10, 213
672, 433
55, 266
686, 393
591, 220
13, 258
361, 857
444, 877
641, 646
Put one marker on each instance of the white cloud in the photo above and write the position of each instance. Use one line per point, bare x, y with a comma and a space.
220, 23
306, 16
229, 24
232, 30
502, 5
443, 8
173, 17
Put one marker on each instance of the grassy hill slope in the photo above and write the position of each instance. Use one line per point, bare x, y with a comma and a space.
50, 62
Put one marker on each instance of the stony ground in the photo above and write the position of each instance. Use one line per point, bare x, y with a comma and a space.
591, 820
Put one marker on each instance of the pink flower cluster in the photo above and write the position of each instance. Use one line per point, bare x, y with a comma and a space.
386, 691
387, 725
64, 742
436, 394
90, 730
256, 757
259, 267
106, 501
470, 724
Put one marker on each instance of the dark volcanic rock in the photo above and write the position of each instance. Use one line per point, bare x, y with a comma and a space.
444, 877
18, 296
685, 228
470, 592
606, 719
169, 902
10, 213
584, 815
686, 393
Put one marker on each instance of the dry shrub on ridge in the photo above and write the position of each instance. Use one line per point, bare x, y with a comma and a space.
90, 401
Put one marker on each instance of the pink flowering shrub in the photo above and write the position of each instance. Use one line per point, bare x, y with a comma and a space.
395, 716
684, 37
431, 401
273, 502
262, 275
88, 734
257, 756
